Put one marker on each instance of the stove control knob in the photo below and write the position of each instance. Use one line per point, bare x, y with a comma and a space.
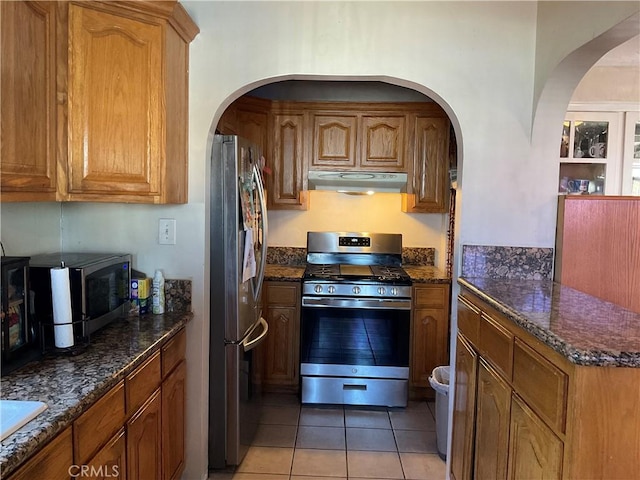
331, 289
394, 291
317, 289
356, 290
381, 290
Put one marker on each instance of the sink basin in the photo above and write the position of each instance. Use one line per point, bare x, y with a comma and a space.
14, 414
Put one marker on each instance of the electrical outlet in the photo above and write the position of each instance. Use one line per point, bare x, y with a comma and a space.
167, 231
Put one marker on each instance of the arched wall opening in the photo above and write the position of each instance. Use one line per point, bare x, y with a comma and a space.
556, 95
382, 212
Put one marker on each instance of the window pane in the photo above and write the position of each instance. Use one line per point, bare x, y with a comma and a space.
591, 139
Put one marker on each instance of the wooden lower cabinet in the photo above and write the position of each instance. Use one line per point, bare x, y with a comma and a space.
464, 410
523, 411
173, 422
280, 350
429, 335
109, 463
534, 450
126, 433
50, 463
493, 410
98, 424
144, 441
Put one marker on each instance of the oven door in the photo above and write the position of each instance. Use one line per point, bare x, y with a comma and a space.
355, 351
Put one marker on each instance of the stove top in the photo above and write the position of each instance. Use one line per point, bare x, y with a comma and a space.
361, 274
355, 265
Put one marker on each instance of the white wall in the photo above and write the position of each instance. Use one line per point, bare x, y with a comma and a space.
28, 228
477, 59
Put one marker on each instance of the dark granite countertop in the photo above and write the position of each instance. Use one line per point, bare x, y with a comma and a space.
68, 385
426, 274
582, 328
283, 273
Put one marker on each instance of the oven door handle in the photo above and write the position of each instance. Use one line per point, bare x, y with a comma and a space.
365, 303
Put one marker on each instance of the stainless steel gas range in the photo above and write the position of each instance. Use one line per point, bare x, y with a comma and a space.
355, 324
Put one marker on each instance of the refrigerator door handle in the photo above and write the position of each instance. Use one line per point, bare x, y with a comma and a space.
263, 209
249, 345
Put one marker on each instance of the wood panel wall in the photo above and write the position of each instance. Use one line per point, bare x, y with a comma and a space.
598, 247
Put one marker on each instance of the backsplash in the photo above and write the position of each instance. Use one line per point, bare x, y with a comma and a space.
177, 295
286, 255
298, 256
418, 256
525, 263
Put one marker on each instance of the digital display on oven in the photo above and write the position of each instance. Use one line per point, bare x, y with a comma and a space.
354, 241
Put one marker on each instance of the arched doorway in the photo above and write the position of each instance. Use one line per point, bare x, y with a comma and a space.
378, 213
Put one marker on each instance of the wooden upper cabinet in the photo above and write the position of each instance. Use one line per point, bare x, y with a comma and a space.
285, 185
111, 83
116, 144
410, 137
127, 106
357, 139
334, 141
28, 107
428, 184
382, 142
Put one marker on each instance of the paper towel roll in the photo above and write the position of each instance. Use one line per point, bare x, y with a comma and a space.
61, 300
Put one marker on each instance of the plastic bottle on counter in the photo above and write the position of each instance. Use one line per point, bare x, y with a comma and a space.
158, 293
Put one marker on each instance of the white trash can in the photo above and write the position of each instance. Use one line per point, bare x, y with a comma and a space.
439, 381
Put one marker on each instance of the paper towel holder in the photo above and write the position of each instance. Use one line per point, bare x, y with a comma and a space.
80, 342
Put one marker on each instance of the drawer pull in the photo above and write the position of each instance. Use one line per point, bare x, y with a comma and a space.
351, 386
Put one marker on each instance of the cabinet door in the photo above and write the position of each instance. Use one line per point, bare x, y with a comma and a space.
464, 409
52, 462
281, 359
534, 450
334, 141
281, 349
228, 124
429, 336
429, 182
590, 150
285, 185
253, 126
109, 463
115, 104
492, 425
144, 441
382, 143
98, 424
173, 423
28, 107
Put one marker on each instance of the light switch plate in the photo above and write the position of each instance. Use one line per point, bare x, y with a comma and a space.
167, 231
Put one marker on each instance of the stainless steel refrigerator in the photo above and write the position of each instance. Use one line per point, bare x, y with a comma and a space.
238, 231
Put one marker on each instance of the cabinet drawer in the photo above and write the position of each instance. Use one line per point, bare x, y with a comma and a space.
468, 320
496, 344
173, 351
282, 295
432, 296
541, 384
98, 424
141, 383
52, 462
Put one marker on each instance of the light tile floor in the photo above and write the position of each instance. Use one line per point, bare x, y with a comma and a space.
314, 443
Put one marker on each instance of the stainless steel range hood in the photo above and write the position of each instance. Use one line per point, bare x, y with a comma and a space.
358, 182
